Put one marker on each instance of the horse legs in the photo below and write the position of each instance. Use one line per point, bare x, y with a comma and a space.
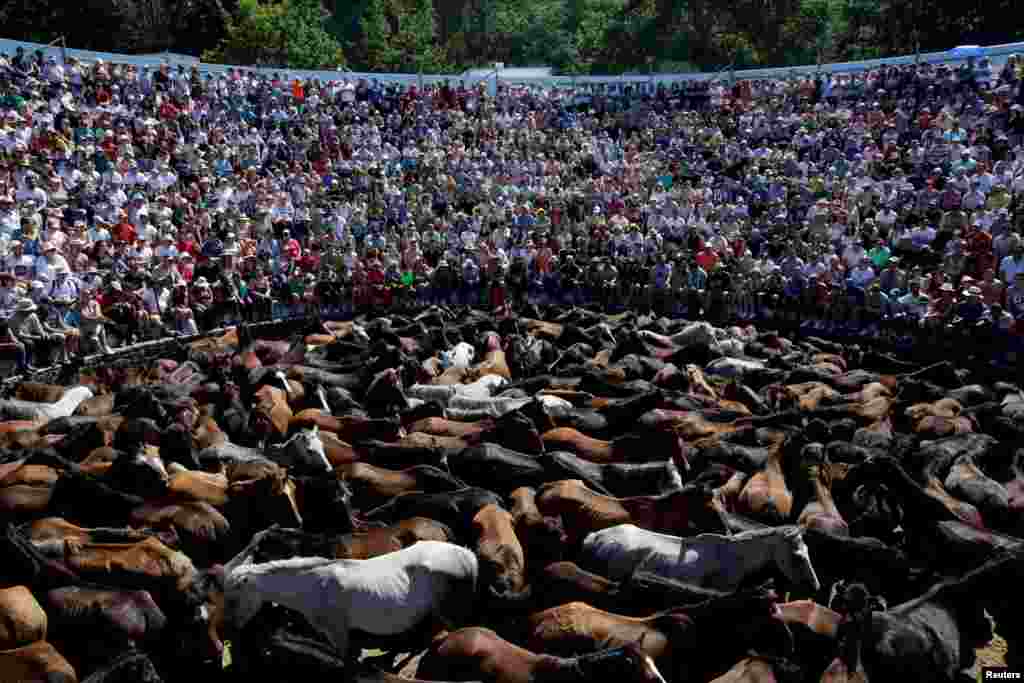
334, 624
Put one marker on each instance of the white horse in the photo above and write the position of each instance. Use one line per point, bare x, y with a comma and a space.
482, 389
386, 595
16, 409
733, 367
460, 356
471, 410
694, 334
708, 560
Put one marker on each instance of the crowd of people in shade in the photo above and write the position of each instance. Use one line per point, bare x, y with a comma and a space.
139, 203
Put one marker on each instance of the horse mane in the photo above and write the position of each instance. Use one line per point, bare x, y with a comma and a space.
133, 666
606, 654
277, 566
785, 670
735, 601
975, 583
751, 535
24, 563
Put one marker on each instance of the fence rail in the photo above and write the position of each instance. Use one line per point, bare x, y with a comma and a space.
997, 53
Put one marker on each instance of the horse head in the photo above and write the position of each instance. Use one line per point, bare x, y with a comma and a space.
202, 635
385, 395
517, 431
504, 578
793, 558
304, 452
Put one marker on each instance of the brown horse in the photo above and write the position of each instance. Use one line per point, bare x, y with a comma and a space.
148, 564
481, 654
22, 619
18, 434
690, 425
376, 542
543, 538
577, 627
36, 663
26, 489
681, 513
562, 582
97, 406
348, 428
494, 360
377, 485
757, 669
187, 485
39, 392
439, 426
501, 557
271, 413
766, 495
55, 534
197, 522
820, 512
646, 446
262, 493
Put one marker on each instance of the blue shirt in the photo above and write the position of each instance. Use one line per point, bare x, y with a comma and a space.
697, 279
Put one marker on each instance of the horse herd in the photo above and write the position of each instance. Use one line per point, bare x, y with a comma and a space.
557, 495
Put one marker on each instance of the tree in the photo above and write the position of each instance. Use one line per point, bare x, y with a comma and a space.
379, 54
87, 25
402, 36
289, 33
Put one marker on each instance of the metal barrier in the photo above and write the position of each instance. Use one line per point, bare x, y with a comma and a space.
147, 351
997, 53
921, 349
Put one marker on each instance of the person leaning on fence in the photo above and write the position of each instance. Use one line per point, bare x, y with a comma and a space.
184, 318
40, 343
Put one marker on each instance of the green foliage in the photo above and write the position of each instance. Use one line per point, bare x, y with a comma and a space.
86, 24
380, 54
573, 36
289, 33
399, 36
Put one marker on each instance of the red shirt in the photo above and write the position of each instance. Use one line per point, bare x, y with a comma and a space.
168, 110
188, 246
739, 247
125, 232
310, 261
707, 259
292, 249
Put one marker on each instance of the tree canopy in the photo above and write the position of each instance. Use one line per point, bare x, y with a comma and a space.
289, 33
573, 36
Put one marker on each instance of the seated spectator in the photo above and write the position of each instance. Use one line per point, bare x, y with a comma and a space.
39, 342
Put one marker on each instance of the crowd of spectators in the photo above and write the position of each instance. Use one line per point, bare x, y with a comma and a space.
137, 203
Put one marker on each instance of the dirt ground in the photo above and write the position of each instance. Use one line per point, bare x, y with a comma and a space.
993, 655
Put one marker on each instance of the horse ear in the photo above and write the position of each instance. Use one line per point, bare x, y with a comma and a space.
316, 430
